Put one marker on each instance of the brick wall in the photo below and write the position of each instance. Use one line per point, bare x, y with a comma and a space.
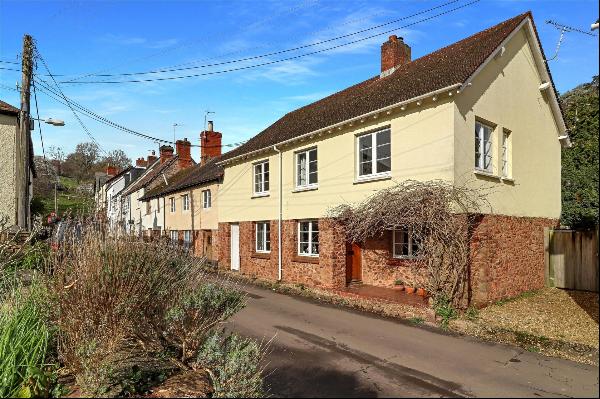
507, 257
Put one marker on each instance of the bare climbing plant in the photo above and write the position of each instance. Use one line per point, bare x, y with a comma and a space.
439, 216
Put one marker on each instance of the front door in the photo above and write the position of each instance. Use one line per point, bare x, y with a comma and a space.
353, 263
207, 241
235, 247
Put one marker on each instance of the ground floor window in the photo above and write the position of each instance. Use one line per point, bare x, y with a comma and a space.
174, 236
308, 238
187, 238
405, 244
263, 237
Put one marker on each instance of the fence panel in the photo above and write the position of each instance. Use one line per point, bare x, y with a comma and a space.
572, 259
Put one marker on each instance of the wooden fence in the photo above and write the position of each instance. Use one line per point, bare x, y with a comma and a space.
571, 259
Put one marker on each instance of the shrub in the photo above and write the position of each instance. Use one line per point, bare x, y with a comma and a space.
127, 311
24, 344
234, 363
443, 307
197, 312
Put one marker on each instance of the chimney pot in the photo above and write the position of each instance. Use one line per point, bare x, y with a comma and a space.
210, 126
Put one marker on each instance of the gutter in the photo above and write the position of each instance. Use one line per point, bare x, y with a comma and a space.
340, 124
279, 268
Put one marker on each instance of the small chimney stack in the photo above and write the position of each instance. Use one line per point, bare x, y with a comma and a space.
394, 53
166, 153
140, 162
111, 171
210, 143
184, 153
151, 158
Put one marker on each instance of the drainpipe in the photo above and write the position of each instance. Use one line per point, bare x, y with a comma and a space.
280, 214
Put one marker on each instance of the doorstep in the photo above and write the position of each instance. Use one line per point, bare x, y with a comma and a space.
383, 293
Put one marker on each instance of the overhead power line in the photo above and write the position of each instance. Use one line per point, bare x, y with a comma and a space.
291, 10
255, 57
279, 60
49, 91
83, 126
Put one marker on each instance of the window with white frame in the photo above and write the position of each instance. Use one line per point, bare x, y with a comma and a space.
506, 172
374, 154
483, 147
206, 199
306, 168
187, 238
263, 237
308, 238
405, 244
261, 178
172, 202
185, 201
174, 236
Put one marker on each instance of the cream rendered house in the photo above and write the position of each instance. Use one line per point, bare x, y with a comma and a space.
191, 207
482, 111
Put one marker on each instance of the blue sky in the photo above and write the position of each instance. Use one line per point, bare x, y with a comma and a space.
82, 37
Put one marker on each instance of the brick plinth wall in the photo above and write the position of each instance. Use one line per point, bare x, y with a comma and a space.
507, 257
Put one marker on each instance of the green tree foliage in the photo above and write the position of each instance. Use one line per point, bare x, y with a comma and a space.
580, 162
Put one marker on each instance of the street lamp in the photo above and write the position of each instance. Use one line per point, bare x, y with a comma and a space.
51, 121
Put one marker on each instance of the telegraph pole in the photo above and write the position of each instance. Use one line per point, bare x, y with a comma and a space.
23, 173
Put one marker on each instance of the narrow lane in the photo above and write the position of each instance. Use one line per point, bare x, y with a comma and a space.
318, 350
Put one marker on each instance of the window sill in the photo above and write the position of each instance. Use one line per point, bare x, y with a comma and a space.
407, 261
508, 180
305, 188
485, 174
261, 255
305, 259
370, 178
260, 195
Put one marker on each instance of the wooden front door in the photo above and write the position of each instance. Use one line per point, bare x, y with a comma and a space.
353, 263
207, 241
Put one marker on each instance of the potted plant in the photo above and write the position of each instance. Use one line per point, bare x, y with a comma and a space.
399, 285
410, 290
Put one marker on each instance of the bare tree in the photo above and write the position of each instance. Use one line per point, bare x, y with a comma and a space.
80, 164
116, 158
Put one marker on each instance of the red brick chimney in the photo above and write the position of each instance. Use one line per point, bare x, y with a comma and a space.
210, 144
111, 171
394, 52
140, 163
166, 153
151, 158
184, 152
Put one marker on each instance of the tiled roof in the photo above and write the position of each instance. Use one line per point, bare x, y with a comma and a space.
121, 173
189, 177
155, 170
6, 108
443, 68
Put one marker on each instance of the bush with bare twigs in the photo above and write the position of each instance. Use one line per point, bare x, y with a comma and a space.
129, 312
439, 216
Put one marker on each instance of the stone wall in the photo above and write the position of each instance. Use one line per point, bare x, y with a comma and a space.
507, 257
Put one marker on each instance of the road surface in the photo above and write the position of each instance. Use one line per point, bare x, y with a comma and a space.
318, 350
